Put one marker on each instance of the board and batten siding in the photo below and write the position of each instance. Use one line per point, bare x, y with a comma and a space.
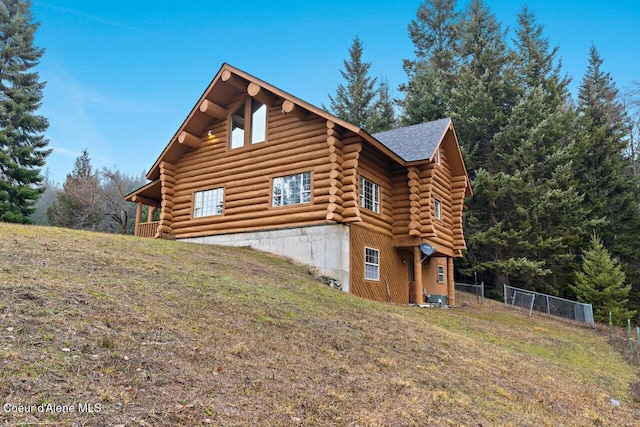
246, 174
393, 272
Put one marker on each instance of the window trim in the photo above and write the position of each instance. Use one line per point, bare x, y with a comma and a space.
438, 160
247, 104
361, 195
437, 209
440, 273
372, 264
194, 207
310, 191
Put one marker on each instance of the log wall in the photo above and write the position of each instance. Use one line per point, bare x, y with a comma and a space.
377, 169
292, 146
435, 182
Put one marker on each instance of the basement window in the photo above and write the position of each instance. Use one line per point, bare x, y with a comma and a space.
292, 189
440, 274
371, 264
248, 124
208, 202
369, 195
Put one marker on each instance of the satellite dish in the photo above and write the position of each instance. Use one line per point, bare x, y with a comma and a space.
427, 250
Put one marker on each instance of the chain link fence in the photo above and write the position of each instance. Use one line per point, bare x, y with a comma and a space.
477, 290
553, 306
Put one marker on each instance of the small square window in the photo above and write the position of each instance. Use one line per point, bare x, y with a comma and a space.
371, 264
440, 274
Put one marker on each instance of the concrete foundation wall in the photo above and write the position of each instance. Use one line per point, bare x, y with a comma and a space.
325, 247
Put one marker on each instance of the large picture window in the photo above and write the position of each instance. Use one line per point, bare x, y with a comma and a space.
292, 189
208, 202
369, 195
371, 264
248, 124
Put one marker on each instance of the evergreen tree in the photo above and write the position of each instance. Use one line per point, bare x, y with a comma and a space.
78, 204
354, 102
526, 218
535, 61
431, 76
603, 169
382, 116
22, 144
600, 282
483, 96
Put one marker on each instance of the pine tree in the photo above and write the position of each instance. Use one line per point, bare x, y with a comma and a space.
382, 115
526, 218
78, 204
483, 96
536, 64
431, 76
603, 169
354, 102
22, 144
600, 282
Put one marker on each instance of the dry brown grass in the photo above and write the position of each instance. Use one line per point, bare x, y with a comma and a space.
168, 333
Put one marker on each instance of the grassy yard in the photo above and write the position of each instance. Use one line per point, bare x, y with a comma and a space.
147, 332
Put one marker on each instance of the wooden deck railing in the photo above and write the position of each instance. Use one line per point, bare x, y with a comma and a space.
147, 229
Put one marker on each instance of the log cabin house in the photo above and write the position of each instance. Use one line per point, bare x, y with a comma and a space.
255, 166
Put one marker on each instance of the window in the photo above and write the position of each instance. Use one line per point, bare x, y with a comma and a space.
438, 156
208, 203
248, 124
371, 264
440, 274
369, 195
437, 209
292, 189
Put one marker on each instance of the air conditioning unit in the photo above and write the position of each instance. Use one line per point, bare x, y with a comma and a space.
437, 299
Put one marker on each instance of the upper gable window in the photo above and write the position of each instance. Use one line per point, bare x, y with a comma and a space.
248, 124
369, 195
438, 156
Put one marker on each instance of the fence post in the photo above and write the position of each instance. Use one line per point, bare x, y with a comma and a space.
630, 339
610, 328
504, 293
533, 299
548, 306
481, 290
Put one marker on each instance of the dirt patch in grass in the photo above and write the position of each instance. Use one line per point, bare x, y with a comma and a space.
148, 332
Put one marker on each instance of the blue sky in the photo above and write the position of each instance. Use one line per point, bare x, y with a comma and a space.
122, 75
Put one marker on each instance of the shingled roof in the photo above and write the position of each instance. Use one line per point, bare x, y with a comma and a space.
416, 142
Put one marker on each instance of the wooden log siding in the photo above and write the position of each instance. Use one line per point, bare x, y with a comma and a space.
167, 182
376, 168
335, 208
419, 212
246, 174
349, 161
459, 185
400, 204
